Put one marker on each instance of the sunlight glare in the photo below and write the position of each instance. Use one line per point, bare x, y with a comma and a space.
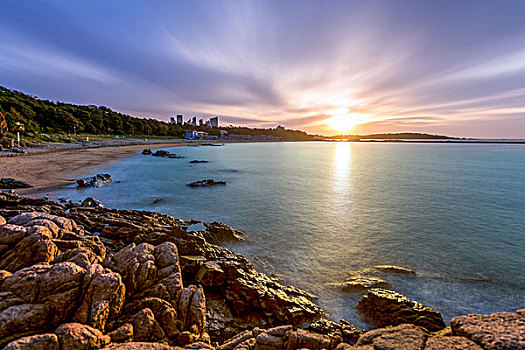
345, 122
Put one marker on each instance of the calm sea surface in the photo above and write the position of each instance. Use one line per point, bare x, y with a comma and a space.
315, 212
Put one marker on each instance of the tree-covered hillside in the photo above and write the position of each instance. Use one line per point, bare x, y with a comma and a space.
42, 116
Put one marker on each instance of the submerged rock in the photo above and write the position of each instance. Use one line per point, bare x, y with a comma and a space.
363, 283
8, 183
217, 233
382, 308
94, 181
198, 161
204, 183
164, 154
91, 202
394, 269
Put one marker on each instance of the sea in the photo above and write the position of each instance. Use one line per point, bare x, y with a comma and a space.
315, 213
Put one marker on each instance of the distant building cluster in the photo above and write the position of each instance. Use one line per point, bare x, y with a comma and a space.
212, 122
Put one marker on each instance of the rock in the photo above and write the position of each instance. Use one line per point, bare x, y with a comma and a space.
122, 334
521, 312
157, 200
147, 152
210, 274
22, 247
103, 297
359, 284
382, 308
304, 339
94, 181
217, 233
48, 341
2, 220
148, 270
394, 269
198, 161
12, 183
17, 150
205, 183
503, 330
404, 336
146, 327
450, 343
91, 202
3, 275
233, 342
62, 222
38, 298
141, 346
76, 336
165, 154
348, 332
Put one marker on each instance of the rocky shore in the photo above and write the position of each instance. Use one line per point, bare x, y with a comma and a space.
75, 277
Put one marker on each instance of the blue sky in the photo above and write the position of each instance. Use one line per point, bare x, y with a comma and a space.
448, 67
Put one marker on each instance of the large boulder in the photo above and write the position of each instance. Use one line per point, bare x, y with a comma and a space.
48, 341
504, 330
38, 298
382, 308
405, 336
24, 246
103, 297
76, 336
34, 237
217, 233
8, 183
450, 343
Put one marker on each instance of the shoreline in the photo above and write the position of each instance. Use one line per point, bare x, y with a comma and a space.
192, 292
47, 168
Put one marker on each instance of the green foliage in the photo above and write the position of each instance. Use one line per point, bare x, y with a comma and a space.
42, 116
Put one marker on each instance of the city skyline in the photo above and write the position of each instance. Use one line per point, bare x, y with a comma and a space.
339, 67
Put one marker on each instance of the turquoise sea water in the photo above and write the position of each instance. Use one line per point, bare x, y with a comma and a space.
314, 212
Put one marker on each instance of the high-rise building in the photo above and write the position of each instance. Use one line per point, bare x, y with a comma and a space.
172, 120
201, 122
214, 122
179, 119
194, 121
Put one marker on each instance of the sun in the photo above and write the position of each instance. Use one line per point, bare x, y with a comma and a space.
345, 122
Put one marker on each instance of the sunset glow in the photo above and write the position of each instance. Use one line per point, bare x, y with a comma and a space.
346, 122
391, 66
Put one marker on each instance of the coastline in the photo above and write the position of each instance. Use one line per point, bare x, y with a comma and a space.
55, 166
128, 280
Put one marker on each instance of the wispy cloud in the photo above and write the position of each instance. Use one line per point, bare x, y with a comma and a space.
422, 66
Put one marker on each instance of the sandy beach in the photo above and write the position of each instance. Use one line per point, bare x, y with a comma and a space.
56, 165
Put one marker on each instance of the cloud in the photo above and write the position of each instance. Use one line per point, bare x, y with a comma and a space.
408, 65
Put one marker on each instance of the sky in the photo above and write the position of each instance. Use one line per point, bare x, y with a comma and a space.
327, 67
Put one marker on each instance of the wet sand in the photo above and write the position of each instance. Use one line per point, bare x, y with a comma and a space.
57, 166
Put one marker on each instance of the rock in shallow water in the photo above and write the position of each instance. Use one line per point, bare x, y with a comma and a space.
394, 269
94, 181
382, 308
205, 183
360, 283
8, 183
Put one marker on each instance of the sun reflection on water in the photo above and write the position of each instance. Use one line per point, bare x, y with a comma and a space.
342, 167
